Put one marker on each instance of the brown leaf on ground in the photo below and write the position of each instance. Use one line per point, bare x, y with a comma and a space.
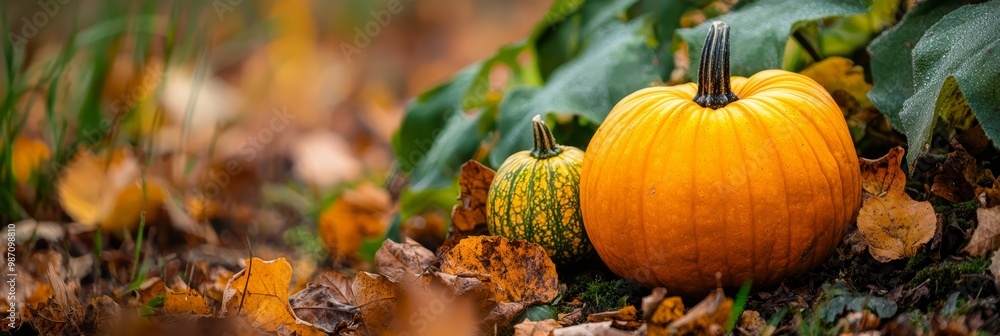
469, 215
628, 313
102, 317
895, 226
107, 191
520, 273
989, 196
891, 224
150, 289
536, 328
375, 296
572, 317
883, 174
594, 329
708, 315
666, 311
187, 301
259, 294
51, 318
751, 323
321, 306
429, 306
986, 237
394, 259
474, 180
360, 213
959, 176
339, 284
41, 294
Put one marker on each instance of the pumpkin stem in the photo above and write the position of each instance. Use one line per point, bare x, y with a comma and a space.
713, 72
545, 144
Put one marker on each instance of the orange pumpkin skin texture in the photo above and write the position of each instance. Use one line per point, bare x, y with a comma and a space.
762, 188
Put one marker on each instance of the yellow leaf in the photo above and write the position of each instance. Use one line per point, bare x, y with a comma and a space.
840, 74
185, 302
375, 295
130, 202
259, 294
986, 238
520, 273
712, 312
89, 185
884, 174
895, 226
359, 213
28, 156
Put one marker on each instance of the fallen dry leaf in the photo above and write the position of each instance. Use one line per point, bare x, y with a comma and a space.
259, 294
986, 237
884, 174
102, 317
375, 296
751, 323
430, 305
520, 272
321, 306
469, 215
708, 315
628, 313
28, 156
892, 225
360, 213
187, 301
394, 259
593, 329
108, 191
474, 180
339, 284
666, 312
536, 328
895, 226
959, 176
989, 196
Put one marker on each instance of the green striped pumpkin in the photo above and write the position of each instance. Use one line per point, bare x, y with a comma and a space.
535, 196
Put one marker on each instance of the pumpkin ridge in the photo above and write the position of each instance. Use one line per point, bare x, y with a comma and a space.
694, 205
809, 118
632, 119
504, 225
784, 180
529, 194
656, 110
749, 188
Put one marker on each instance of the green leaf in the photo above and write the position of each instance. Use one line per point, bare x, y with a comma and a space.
844, 35
454, 144
892, 66
426, 117
963, 48
760, 29
618, 63
556, 44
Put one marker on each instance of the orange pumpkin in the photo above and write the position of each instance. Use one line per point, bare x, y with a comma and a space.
754, 178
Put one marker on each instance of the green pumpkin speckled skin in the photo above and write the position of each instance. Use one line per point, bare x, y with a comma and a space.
535, 196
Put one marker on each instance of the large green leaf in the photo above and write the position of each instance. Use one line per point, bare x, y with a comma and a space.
563, 34
616, 64
759, 30
892, 66
956, 58
427, 115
